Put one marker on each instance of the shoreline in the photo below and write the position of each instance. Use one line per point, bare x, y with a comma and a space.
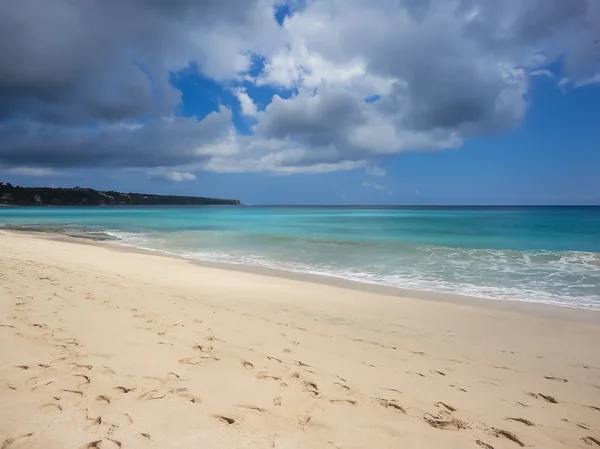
518, 305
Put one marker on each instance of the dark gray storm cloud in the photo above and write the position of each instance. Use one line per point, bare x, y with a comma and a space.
158, 143
77, 62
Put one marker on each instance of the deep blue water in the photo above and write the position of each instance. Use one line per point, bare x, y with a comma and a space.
544, 254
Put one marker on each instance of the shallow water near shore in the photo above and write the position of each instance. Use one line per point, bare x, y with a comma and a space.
544, 254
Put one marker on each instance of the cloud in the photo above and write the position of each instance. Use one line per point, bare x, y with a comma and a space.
375, 171
31, 171
542, 72
87, 83
158, 143
172, 176
592, 80
239, 154
246, 103
81, 62
372, 185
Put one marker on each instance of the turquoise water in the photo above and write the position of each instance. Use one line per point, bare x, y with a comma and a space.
549, 255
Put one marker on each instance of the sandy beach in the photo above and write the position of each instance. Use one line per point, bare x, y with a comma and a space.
106, 348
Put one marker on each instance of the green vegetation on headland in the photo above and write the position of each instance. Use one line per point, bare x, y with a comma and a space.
77, 196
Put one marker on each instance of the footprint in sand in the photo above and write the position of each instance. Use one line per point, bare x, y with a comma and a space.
304, 418
202, 348
84, 380
557, 379
395, 390
343, 401
75, 392
80, 366
198, 360
226, 419
444, 423
31, 381
521, 420
106, 443
123, 419
263, 375
545, 397
590, 441
311, 388
247, 365
345, 387
94, 422
124, 390
152, 395
10, 441
446, 406
193, 399
102, 399
419, 353
304, 365
508, 435
393, 404
253, 408
51, 406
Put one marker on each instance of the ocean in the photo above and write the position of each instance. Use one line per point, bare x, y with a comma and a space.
538, 254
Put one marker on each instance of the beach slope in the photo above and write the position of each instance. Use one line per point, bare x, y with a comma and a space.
104, 348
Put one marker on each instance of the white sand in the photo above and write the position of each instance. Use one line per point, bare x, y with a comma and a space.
101, 348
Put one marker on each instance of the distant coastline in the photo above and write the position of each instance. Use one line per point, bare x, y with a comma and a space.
77, 196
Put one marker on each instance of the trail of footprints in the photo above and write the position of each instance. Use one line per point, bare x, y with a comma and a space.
66, 379
62, 390
78, 386
75, 391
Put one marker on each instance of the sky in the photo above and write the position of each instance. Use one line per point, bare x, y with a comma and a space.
305, 101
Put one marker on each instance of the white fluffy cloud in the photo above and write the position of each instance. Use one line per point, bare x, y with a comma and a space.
246, 103
171, 176
372, 185
361, 80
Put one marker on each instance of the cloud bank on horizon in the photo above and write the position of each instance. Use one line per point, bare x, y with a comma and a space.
89, 84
